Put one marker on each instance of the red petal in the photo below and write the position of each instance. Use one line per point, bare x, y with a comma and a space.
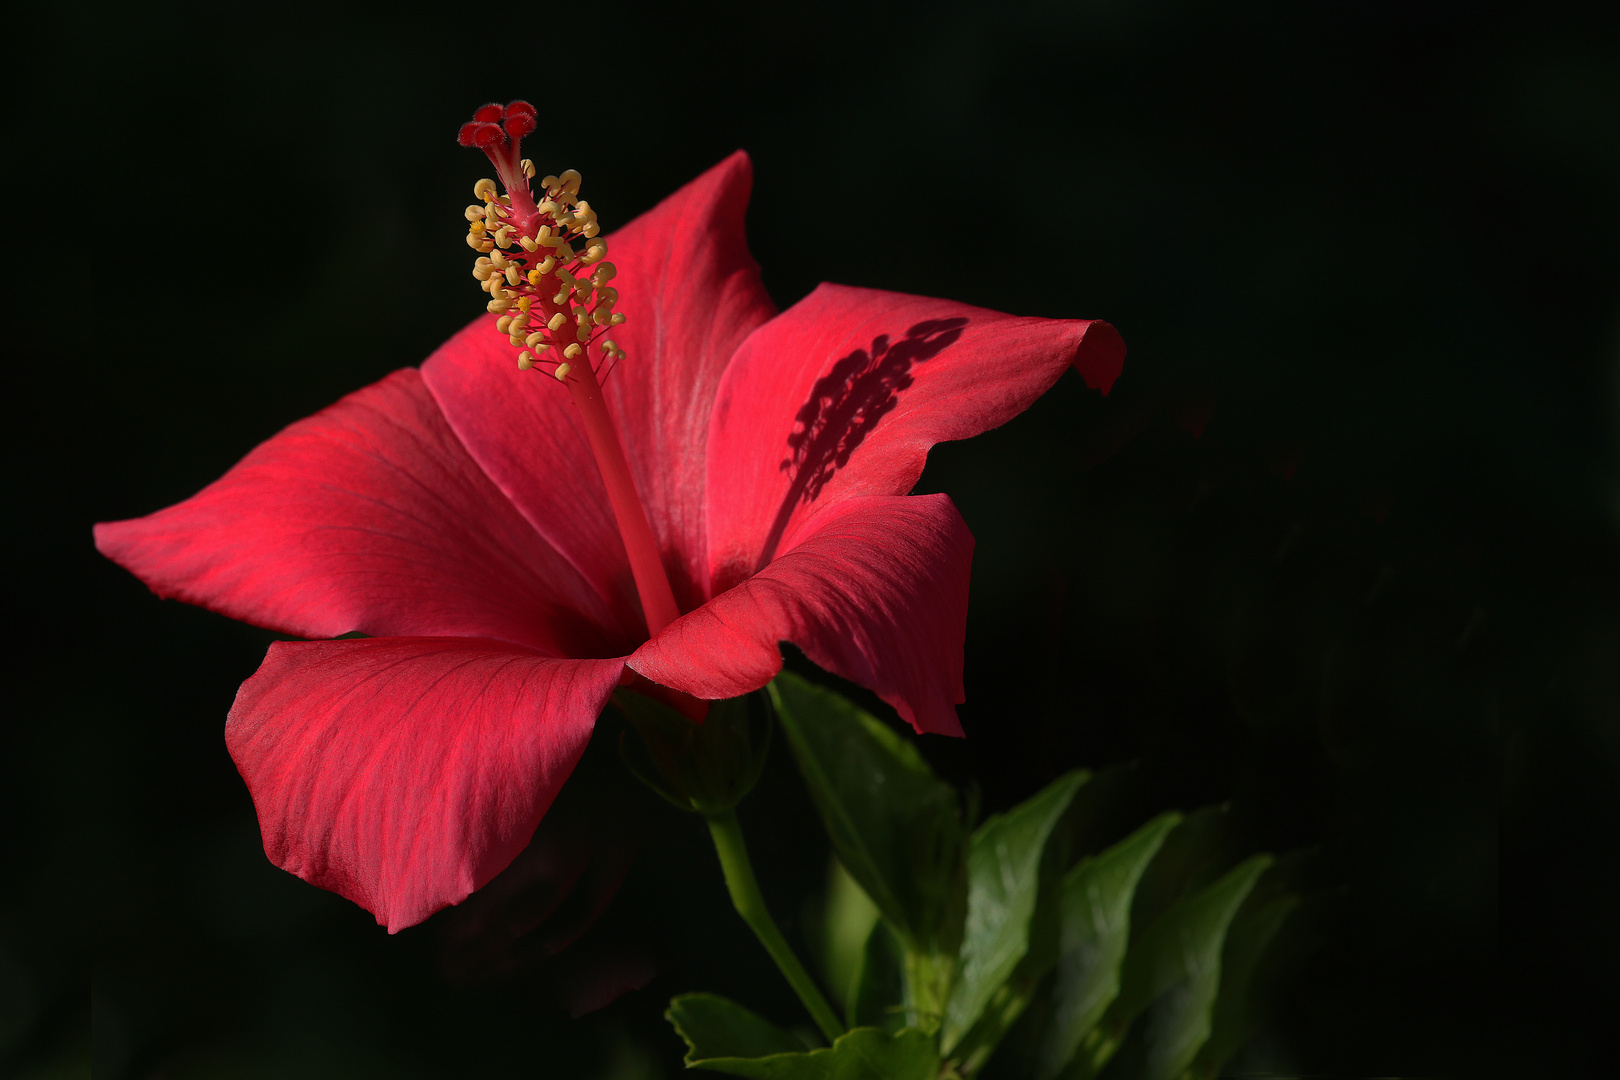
875, 591
844, 393
403, 773
691, 292
367, 516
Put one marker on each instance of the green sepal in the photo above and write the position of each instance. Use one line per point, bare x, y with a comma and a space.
896, 827
704, 767
1005, 886
724, 1037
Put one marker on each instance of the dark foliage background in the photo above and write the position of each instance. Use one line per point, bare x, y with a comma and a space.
1373, 604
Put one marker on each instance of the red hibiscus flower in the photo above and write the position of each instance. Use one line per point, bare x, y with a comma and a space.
456, 515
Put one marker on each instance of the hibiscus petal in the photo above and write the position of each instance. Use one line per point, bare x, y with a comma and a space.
369, 516
404, 773
844, 393
691, 293
874, 590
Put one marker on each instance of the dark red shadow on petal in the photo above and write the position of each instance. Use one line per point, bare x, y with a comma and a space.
845, 405
539, 918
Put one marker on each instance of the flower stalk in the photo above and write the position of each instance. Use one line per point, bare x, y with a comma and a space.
745, 896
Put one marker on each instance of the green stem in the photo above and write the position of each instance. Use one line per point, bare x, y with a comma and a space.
728, 844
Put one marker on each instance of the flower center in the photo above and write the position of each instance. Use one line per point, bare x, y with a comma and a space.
553, 307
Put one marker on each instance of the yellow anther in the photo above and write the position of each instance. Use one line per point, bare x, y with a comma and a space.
591, 229
520, 321
482, 272
499, 261
484, 189
570, 181
503, 235
489, 218
583, 333
497, 291
475, 213
556, 322
561, 297
549, 208
617, 320
601, 316
594, 251
609, 346
487, 282
565, 277
528, 243
548, 183
573, 351
504, 323
608, 295
546, 267
563, 370
513, 275
536, 341
477, 227
528, 168
525, 361
604, 274
477, 242
514, 340
498, 307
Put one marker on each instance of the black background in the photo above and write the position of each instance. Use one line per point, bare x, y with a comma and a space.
1373, 604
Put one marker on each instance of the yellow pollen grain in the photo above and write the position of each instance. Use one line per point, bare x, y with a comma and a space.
534, 277
525, 303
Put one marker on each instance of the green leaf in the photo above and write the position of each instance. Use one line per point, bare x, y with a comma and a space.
1172, 976
1004, 885
715, 1027
839, 927
1096, 924
895, 826
877, 989
725, 1037
1263, 941
1247, 942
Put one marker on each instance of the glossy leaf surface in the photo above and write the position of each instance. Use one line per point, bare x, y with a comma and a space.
895, 826
1004, 884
